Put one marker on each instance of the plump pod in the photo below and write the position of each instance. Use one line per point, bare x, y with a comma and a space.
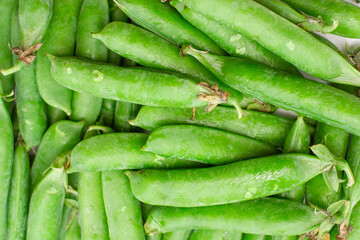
206, 234
137, 85
163, 20
235, 182
125, 111
54, 115
6, 161
345, 13
355, 223
306, 97
270, 216
59, 40
261, 126
117, 151
280, 36
70, 221
19, 195
206, 145
177, 235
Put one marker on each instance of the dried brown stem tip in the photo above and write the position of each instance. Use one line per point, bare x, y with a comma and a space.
216, 96
27, 56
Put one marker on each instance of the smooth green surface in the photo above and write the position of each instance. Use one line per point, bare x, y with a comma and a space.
163, 20
206, 234
206, 145
19, 195
54, 115
261, 126
60, 137
279, 36
6, 162
59, 40
118, 151
69, 218
235, 182
261, 216
177, 235
124, 111
355, 222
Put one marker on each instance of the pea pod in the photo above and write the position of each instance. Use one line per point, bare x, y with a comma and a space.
54, 115
345, 13
118, 151
59, 41
261, 126
60, 137
206, 234
232, 235
276, 34
46, 203
206, 145
234, 182
306, 97
122, 208
355, 223
6, 161
69, 222
177, 235
233, 42
162, 89
163, 20
19, 195
123, 112
254, 237
261, 216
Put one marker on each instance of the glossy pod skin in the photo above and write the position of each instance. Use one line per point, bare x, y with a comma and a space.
59, 40
306, 97
60, 137
46, 203
355, 223
261, 126
177, 235
206, 145
6, 161
123, 113
19, 195
123, 210
234, 182
270, 216
101, 80
163, 20
118, 151
345, 13
69, 219
54, 115
94, 15
337, 141
233, 42
278, 35
206, 234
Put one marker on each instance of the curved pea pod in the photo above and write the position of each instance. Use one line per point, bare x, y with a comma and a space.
69, 222
261, 126
123, 210
177, 235
162, 89
123, 112
163, 20
232, 235
61, 42
308, 23
206, 145
47, 201
343, 12
206, 234
19, 195
306, 97
60, 137
6, 161
355, 223
277, 34
118, 151
261, 216
337, 141
233, 42
235, 182
54, 115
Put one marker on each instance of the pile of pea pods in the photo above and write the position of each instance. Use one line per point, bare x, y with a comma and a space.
161, 120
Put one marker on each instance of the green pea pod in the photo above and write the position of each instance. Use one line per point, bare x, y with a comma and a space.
61, 42
60, 137
206, 145
94, 15
119, 151
162, 89
206, 234
6, 161
233, 42
54, 115
253, 237
19, 195
74, 232
92, 214
163, 20
308, 23
337, 141
341, 11
46, 203
234, 182
355, 223
123, 113
306, 97
232, 235
69, 219
277, 34
107, 112
122, 208
178, 235
261, 216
